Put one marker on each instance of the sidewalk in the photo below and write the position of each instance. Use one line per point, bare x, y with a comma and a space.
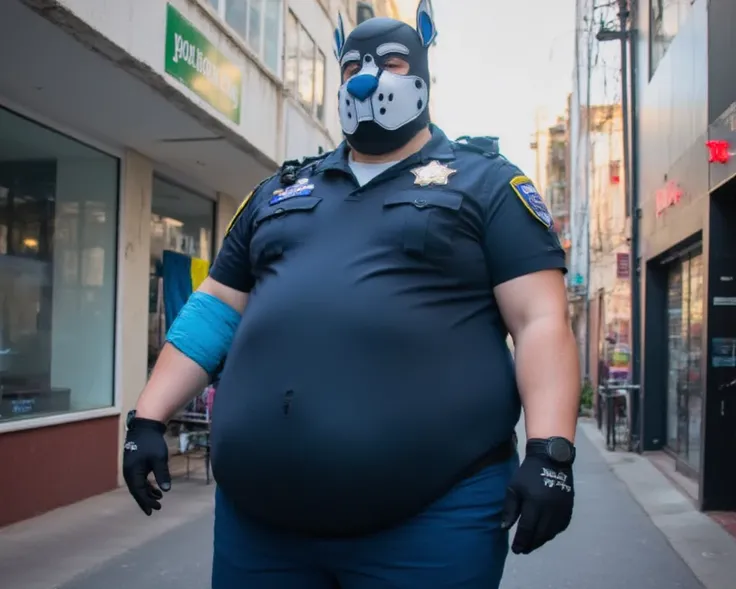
631, 530
707, 549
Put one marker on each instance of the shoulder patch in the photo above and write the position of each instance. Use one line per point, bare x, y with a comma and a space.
239, 212
532, 200
244, 204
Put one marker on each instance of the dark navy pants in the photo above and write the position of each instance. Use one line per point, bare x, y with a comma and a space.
457, 543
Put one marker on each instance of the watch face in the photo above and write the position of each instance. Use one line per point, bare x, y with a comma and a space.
560, 450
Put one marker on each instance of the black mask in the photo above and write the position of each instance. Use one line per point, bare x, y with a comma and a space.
381, 111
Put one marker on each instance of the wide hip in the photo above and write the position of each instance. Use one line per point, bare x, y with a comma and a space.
457, 542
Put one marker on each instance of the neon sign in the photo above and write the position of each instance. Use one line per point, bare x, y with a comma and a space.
667, 197
719, 151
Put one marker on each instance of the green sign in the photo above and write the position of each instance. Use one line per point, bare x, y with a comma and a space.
196, 63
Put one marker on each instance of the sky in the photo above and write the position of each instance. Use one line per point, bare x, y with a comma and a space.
496, 62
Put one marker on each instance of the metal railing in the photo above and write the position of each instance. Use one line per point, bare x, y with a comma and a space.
617, 407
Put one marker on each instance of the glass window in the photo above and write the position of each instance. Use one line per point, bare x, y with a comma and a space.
685, 389
674, 351
306, 69
695, 353
236, 15
214, 3
182, 222
254, 25
667, 16
258, 23
58, 252
683, 365
271, 34
291, 53
319, 85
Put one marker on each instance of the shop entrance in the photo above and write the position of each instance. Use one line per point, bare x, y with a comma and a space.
685, 306
719, 477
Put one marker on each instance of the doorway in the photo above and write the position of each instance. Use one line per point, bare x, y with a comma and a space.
718, 480
684, 319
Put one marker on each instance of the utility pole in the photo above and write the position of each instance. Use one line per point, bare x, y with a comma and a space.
635, 212
627, 36
586, 209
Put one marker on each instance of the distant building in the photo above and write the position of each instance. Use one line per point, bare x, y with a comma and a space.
550, 143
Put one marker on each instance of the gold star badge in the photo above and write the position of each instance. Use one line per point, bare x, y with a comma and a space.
434, 173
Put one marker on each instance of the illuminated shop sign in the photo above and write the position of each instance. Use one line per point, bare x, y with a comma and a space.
667, 197
719, 151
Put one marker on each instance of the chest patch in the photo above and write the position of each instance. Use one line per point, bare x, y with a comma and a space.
303, 187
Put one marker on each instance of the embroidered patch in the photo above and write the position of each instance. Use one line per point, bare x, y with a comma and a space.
533, 201
239, 212
302, 188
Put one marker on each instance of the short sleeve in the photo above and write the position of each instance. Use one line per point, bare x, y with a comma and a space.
519, 237
232, 265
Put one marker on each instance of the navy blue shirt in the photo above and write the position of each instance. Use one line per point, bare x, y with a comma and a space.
370, 367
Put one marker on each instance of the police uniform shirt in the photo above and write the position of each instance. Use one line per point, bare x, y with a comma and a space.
370, 367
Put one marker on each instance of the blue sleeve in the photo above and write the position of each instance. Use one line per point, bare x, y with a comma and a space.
519, 238
232, 266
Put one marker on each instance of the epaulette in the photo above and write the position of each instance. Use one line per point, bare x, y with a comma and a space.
290, 169
486, 146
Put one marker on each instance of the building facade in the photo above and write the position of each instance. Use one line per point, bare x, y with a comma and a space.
551, 145
688, 250
599, 227
609, 286
128, 129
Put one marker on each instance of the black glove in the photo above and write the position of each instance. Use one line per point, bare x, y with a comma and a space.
542, 493
145, 451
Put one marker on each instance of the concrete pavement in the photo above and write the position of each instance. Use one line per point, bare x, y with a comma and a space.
613, 541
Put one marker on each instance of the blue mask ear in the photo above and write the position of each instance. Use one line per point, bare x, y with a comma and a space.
339, 37
425, 23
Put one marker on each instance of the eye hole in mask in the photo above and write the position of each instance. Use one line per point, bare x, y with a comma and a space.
393, 64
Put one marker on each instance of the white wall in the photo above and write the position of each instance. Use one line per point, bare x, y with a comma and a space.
301, 139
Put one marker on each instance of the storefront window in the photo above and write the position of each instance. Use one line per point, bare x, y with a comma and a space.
182, 225
695, 377
685, 349
674, 351
58, 246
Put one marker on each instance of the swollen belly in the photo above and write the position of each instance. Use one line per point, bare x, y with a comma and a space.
340, 430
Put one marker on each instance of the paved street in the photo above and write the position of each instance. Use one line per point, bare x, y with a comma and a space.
612, 543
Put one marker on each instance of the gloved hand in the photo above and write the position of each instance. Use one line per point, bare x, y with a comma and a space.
541, 496
145, 451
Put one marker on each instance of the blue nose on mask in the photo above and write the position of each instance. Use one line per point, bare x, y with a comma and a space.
362, 86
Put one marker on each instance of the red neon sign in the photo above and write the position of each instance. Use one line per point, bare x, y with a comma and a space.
719, 151
668, 197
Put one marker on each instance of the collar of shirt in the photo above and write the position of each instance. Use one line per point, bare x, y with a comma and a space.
438, 148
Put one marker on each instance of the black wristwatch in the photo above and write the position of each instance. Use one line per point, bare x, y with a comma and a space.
559, 450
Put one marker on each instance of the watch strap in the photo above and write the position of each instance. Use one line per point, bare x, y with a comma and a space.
543, 447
